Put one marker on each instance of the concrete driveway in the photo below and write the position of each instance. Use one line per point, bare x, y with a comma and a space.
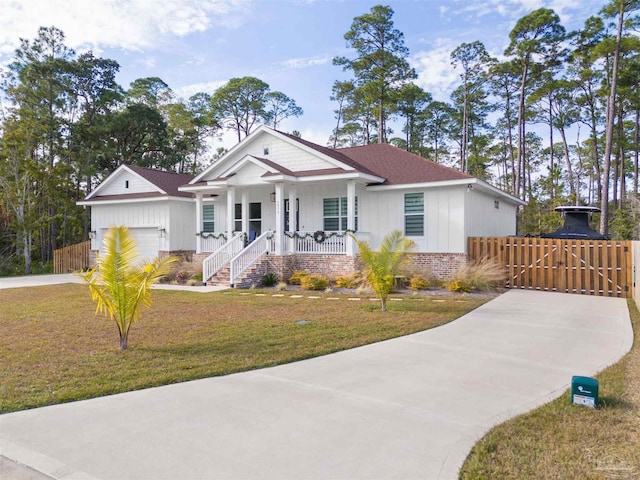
407, 408
61, 278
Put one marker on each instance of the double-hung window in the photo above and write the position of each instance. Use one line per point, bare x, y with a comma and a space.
414, 214
334, 213
208, 224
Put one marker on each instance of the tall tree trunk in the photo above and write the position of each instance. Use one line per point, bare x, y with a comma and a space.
567, 160
636, 142
464, 167
551, 159
611, 106
596, 154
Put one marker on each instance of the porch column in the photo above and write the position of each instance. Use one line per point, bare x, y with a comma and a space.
293, 209
199, 222
245, 212
351, 216
279, 218
231, 202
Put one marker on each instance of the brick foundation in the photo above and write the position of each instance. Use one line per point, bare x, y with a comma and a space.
439, 266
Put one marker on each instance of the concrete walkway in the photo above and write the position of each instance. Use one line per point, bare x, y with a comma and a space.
59, 279
407, 408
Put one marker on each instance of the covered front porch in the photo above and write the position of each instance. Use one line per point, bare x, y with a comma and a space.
318, 223
237, 225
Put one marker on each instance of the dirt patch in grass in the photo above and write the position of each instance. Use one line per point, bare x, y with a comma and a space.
54, 349
563, 441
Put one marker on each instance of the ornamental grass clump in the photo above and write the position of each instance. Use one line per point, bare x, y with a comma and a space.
119, 285
484, 274
269, 280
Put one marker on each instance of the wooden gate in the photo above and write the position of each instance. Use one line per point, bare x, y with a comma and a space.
73, 258
589, 267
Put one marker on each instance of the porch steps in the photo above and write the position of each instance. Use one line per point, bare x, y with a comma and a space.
221, 278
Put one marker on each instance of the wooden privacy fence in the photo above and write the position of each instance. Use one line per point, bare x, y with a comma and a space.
73, 258
590, 267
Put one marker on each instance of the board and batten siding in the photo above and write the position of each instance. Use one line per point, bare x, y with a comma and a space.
132, 215
118, 185
181, 231
383, 211
484, 220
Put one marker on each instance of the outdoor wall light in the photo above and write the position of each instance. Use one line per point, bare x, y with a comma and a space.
162, 232
92, 234
469, 188
272, 196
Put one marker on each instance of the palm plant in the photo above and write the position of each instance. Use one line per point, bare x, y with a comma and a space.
121, 287
382, 266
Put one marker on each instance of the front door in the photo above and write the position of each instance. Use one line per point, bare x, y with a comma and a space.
286, 215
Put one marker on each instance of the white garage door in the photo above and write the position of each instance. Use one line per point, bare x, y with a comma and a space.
147, 239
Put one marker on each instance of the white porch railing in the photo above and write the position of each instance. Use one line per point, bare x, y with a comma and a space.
334, 243
222, 256
247, 257
211, 244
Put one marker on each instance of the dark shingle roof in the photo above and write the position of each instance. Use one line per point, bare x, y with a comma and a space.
167, 181
398, 166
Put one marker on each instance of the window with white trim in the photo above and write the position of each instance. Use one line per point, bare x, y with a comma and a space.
414, 214
334, 214
208, 224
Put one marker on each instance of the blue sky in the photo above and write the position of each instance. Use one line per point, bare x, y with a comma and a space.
197, 45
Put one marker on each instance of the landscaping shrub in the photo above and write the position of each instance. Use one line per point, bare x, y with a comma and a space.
281, 286
314, 282
459, 286
349, 281
418, 282
298, 275
484, 274
269, 280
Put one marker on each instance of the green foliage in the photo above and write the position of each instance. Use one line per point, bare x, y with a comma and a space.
382, 266
380, 66
120, 287
297, 277
241, 104
269, 280
418, 282
314, 282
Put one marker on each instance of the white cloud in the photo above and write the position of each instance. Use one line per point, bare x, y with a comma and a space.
187, 91
514, 9
435, 73
127, 24
150, 62
306, 62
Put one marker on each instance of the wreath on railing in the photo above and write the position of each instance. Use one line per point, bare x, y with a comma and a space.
319, 236
215, 236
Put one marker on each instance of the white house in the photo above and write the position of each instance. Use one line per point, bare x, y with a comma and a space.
278, 203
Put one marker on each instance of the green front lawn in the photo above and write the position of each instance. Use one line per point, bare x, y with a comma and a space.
53, 348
